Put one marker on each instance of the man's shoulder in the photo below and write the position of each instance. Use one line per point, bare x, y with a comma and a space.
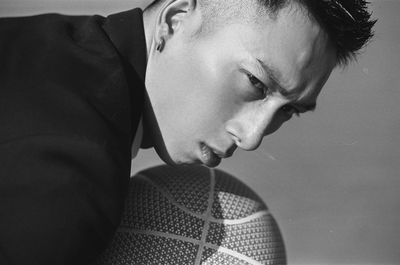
56, 68
32, 21
49, 28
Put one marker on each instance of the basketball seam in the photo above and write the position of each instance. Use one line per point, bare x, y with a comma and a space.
169, 197
237, 255
207, 217
192, 241
159, 234
204, 216
242, 220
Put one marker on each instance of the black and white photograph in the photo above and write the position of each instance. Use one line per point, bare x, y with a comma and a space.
199, 132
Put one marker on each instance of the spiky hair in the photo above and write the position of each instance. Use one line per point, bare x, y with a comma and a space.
348, 23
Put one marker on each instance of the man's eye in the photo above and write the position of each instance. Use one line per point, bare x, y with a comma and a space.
290, 110
261, 88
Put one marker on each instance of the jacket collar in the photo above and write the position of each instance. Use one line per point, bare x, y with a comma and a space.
126, 31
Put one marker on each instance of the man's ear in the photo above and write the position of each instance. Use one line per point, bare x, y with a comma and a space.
170, 17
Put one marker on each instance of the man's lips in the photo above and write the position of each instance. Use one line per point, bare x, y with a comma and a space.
227, 153
212, 157
208, 157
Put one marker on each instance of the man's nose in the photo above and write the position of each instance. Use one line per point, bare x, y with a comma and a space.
251, 137
248, 132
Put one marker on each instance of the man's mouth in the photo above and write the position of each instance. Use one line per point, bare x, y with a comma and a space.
208, 156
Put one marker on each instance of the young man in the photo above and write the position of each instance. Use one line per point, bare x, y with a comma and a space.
203, 77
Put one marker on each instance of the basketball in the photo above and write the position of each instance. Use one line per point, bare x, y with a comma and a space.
194, 215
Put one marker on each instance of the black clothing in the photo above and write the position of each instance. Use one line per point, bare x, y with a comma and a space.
71, 96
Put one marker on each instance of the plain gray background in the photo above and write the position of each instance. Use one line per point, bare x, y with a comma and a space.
331, 178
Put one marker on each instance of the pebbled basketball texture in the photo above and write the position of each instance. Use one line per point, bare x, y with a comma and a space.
192, 215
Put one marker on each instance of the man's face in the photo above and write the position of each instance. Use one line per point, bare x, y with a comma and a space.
234, 86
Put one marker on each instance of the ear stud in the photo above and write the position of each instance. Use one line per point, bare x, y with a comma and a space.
160, 45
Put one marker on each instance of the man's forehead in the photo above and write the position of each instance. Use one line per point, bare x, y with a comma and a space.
291, 49
295, 52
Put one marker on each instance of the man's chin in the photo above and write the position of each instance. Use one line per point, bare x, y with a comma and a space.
194, 163
212, 164
171, 162
179, 162
208, 163
174, 160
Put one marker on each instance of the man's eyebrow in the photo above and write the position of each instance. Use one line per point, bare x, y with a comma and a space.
276, 76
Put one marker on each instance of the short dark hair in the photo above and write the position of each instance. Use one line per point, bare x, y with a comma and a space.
348, 23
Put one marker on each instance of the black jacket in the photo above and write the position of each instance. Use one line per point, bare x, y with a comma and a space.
71, 96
